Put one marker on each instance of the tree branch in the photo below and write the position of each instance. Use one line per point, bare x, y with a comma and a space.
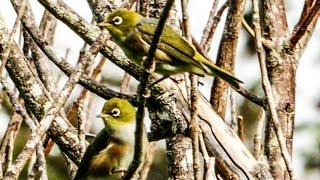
213, 21
194, 124
49, 116
226, 54
303, 25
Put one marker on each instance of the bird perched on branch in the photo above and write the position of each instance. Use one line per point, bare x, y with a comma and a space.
134, 33
111, 152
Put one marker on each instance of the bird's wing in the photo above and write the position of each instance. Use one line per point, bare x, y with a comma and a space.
170, 41
99, 143
175, 45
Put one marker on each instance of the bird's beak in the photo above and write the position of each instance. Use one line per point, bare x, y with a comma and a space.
101, 25
102, 115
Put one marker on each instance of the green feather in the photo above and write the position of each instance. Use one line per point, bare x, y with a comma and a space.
174, 54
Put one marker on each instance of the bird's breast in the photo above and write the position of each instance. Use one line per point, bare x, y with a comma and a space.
114, 157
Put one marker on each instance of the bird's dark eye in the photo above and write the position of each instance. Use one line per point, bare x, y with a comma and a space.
117, 20
115, 112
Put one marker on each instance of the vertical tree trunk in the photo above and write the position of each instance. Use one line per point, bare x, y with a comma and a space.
281, 72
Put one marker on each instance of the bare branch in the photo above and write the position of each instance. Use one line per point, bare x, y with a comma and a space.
233, 107
303, 25
241, 90
213, 21
39, 164
14, 29
8, 141
258, 135
209, 171
34, 96
226, 54
193, 124
148, 161
125, 83
35, 137
240, 127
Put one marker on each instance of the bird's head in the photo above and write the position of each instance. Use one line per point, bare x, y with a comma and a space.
117, 112
120, 23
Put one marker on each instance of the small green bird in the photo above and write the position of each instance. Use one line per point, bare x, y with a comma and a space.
134, 33
111, 152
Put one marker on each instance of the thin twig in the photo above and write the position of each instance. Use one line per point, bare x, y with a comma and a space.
206, 31
8, 141
13, 32
13, 127
209, 31
125, 83
95, 76
143, 91
83, 104
148, 161
47, 28
240, 127
248, 28
71, 167
241, 90
266, 43
233, 107
209, 171
16, 105
31, 168
39, 165
250, 96
302, 27
268, 91
49, 145
257, 142
194, 125
82, 116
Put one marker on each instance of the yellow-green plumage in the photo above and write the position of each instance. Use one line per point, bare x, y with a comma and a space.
113, 148
133, 33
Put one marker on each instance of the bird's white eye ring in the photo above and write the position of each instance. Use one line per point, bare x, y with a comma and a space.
115, 112
117, 20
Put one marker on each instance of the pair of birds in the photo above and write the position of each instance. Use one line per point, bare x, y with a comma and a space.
112, 150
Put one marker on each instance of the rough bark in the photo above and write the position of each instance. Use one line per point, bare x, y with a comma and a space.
281, 72
281, 64
36, 97
179, 153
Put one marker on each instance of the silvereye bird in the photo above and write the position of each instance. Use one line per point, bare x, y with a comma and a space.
111, 152
134, 33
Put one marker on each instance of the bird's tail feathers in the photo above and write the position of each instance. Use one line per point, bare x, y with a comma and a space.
223, 74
